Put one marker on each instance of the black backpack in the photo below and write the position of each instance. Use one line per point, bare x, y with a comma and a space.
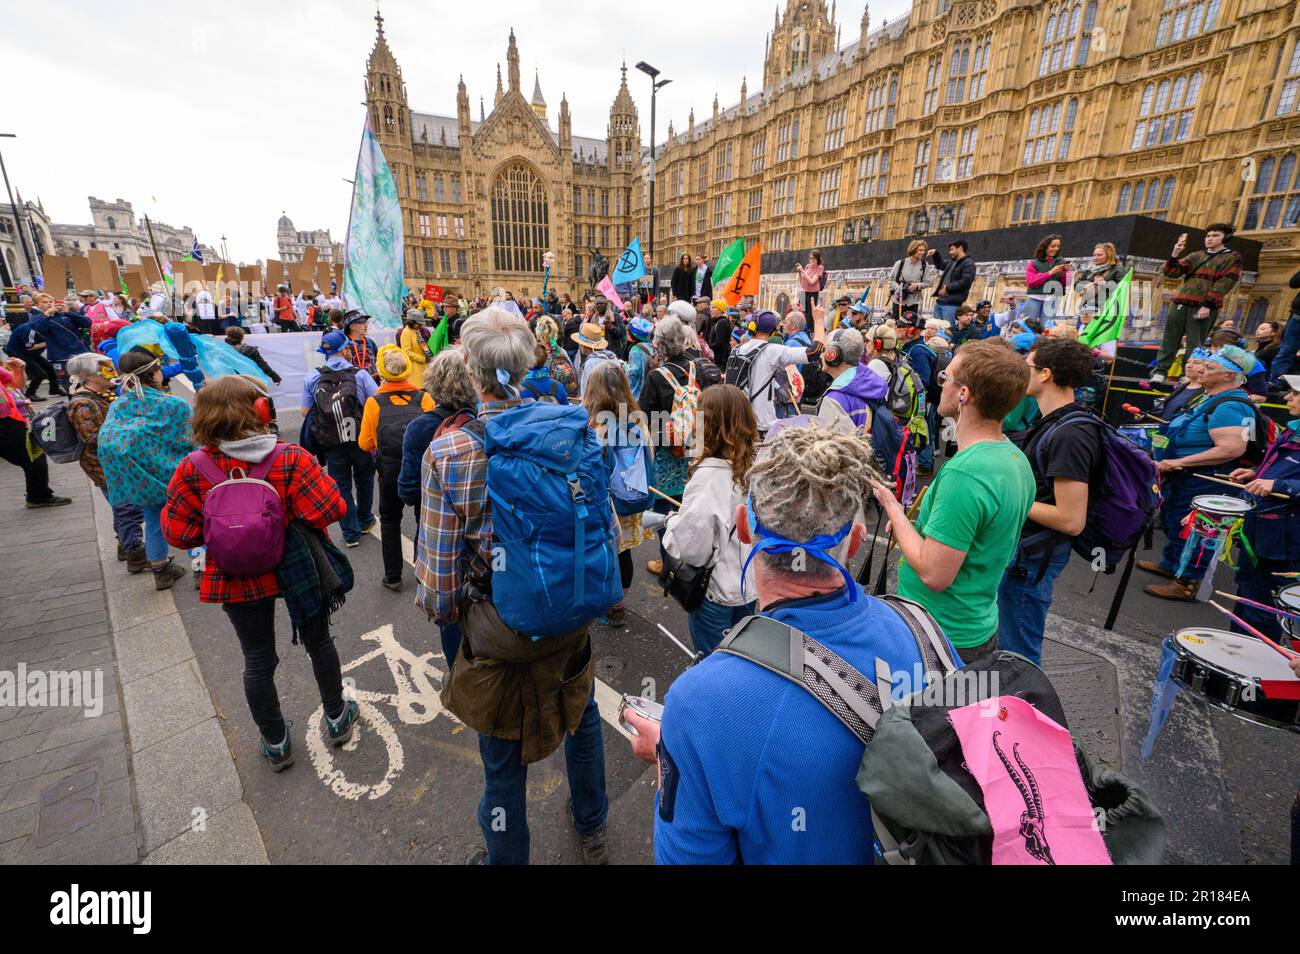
393, 418
337, 420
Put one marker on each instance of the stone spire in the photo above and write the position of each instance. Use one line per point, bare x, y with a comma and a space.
462, 110
500, 92
512, 63
566, 126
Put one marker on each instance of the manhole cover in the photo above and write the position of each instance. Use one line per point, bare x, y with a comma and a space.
1089, 690
609, 667
68, 805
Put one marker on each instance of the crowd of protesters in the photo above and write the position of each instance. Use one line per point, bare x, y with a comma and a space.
743, 445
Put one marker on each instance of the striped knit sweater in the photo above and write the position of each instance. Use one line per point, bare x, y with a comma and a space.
1207, 278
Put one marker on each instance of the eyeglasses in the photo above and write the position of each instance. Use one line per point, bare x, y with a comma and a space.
945, 377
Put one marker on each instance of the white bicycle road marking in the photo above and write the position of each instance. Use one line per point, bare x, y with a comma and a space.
417, 703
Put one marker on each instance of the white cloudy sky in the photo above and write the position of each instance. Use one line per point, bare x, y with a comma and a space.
221, 115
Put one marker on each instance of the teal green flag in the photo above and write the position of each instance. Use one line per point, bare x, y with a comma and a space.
1108, 325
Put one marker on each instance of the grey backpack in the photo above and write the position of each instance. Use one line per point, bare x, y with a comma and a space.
926, 808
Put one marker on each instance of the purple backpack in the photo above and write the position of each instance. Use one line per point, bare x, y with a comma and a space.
243, 517
1122, 499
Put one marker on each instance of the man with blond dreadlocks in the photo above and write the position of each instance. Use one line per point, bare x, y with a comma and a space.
753, 767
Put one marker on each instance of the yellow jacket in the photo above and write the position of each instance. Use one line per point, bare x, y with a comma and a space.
413, 346
369, 439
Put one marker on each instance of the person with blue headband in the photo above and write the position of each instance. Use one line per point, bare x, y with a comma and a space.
1207, 437
739, 746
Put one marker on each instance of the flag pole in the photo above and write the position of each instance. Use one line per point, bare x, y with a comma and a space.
157, 259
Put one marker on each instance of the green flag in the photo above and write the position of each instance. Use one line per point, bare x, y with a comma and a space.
438, 340
1108, 325
121, 282
728, 262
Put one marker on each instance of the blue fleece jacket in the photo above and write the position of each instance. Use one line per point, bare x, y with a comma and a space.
755, 770
62, 339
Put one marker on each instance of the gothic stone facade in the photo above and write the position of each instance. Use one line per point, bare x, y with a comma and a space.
996, 113
482, 200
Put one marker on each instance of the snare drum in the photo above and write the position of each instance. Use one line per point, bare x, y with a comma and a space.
1225, 669
1218, 505
1139, 434
1288, 598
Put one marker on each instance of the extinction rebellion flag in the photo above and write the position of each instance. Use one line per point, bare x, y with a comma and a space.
373, 277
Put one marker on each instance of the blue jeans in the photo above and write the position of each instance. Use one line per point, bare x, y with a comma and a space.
1037, 308
1178, 490
503, 810
925, 456
126, 525
155, 547
711, 620
1286, 351
449, 635
350, 465
946, 312
1023, 603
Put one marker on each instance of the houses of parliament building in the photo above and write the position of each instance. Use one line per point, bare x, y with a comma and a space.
966, 115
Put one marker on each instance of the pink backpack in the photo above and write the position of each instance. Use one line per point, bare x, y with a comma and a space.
243, 516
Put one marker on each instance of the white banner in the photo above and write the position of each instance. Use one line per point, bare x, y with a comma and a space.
293, 354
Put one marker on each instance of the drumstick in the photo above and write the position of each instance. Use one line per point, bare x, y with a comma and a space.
1262, 606
1138, 412
1229, 483
1289, 576
657, 493
1253, 631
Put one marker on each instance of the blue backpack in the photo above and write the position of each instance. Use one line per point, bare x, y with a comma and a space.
555, 568
631, 473
1123, 496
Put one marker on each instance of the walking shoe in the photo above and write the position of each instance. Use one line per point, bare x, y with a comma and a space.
352, 543
595, 847
616, 617
655, 566
1151, 566
1183, 591
477, 857
365, 528
122, 553
281, 755
53, 501
36, 400
394, 585
136, 561
166, 576
342, 729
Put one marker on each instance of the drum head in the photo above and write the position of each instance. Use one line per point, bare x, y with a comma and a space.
1244, 657
1221, 506
1288, 598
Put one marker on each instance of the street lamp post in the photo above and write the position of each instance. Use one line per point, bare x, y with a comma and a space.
656, 84
18, 222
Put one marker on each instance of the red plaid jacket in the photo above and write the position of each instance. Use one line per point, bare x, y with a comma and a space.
307, 491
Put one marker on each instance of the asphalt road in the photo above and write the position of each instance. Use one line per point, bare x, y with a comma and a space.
407, 790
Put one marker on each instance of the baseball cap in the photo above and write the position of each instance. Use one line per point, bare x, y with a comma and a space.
1292, 381
765, 322
332, 343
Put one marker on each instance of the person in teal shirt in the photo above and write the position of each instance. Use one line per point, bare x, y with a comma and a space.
969, 524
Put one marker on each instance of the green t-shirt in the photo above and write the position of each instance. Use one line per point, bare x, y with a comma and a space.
977, 503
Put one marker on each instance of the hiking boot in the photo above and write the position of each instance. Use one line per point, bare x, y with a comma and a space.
655, 566
616, 617
52, 501
280, 756
1151, 566
165, 576
1183, 591
342, 729
136, 561
394, 585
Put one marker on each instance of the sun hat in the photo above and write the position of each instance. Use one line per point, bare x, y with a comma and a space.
590, 335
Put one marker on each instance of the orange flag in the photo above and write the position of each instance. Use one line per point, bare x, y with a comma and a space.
744, 281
